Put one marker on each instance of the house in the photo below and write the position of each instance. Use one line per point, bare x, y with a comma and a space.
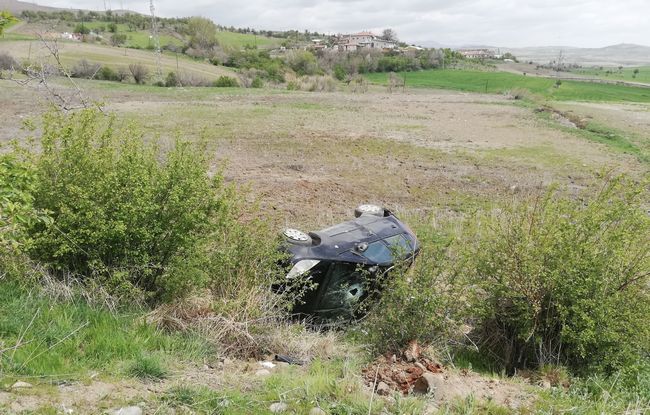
477, 53
363, 40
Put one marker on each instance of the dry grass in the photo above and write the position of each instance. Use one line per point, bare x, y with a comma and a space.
255, 327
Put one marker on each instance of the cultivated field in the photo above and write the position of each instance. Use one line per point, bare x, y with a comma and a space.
311, 157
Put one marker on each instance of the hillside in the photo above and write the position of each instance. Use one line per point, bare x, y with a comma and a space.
16, 7
622, 54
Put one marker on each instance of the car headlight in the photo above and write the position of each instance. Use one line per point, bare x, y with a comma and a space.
302, 267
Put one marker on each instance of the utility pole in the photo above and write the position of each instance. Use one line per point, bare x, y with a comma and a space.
154, 35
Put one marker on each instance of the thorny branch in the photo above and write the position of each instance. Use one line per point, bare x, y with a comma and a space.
38, 75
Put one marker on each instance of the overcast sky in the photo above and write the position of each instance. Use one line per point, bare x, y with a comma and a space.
514, 23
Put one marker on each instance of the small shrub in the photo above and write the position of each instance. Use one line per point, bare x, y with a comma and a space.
191, 79
139, 72
85, 69
257, 82
147, 368
226, 82
171, 80
339, 72
293, 86
7, 62
108, 74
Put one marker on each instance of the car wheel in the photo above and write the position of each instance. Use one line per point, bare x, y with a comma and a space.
297, 237
373, 210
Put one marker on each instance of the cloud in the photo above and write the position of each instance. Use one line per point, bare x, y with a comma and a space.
514, 23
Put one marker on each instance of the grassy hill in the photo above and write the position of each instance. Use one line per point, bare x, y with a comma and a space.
72, 52
501, 82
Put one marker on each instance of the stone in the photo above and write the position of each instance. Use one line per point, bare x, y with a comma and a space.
420, 366
317, 411
128, 410
428, 383
267, 364
262, 373
383, 389
412, 351
278, 407
21, 385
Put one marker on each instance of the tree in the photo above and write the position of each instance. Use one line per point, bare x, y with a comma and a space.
635, 72
203, 32
390, 35
5, 19
139, 72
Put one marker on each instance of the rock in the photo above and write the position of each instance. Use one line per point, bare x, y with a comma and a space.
262, 373
128, 410
383, 389
412, 351
428, 383
21, 385
421, 366
278, 407
317, 411
544, 383
267, 365
393, 359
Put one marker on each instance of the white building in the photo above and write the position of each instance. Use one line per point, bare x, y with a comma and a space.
363, 40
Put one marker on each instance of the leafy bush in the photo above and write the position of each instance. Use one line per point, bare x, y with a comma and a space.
421, 303
562, 280
124, 213
303, 63
226, 82
272, 68
257, 82
339, 72
17, 211
172, 79
108, 74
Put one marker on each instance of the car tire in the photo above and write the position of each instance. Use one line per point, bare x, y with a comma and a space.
297, 237
373, 210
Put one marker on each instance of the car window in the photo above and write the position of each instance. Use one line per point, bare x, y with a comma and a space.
345, 288
378, 252
400, 245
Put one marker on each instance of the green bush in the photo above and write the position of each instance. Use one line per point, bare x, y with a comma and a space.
146, 367
339, 72
257, 82
420, 303
172, 79
108, 74
17, 211
564, 280
123, 211
226, 82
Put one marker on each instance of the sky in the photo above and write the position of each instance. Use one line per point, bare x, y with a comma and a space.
505, 23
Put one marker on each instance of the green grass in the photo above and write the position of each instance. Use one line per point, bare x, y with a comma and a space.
147, 368
625, 74
68, 339
333, 386
134, 39
239, 40
500, 82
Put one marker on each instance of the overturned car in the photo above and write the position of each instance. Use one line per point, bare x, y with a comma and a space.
346, 264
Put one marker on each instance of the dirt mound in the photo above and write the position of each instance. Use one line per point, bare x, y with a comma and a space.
415, 374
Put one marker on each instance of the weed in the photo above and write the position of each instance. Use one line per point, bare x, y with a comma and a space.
147, 367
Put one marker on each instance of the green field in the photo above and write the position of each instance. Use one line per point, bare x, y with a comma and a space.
501, 82
625, 74
239, 40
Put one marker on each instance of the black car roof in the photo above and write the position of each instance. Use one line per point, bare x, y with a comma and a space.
334, 242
